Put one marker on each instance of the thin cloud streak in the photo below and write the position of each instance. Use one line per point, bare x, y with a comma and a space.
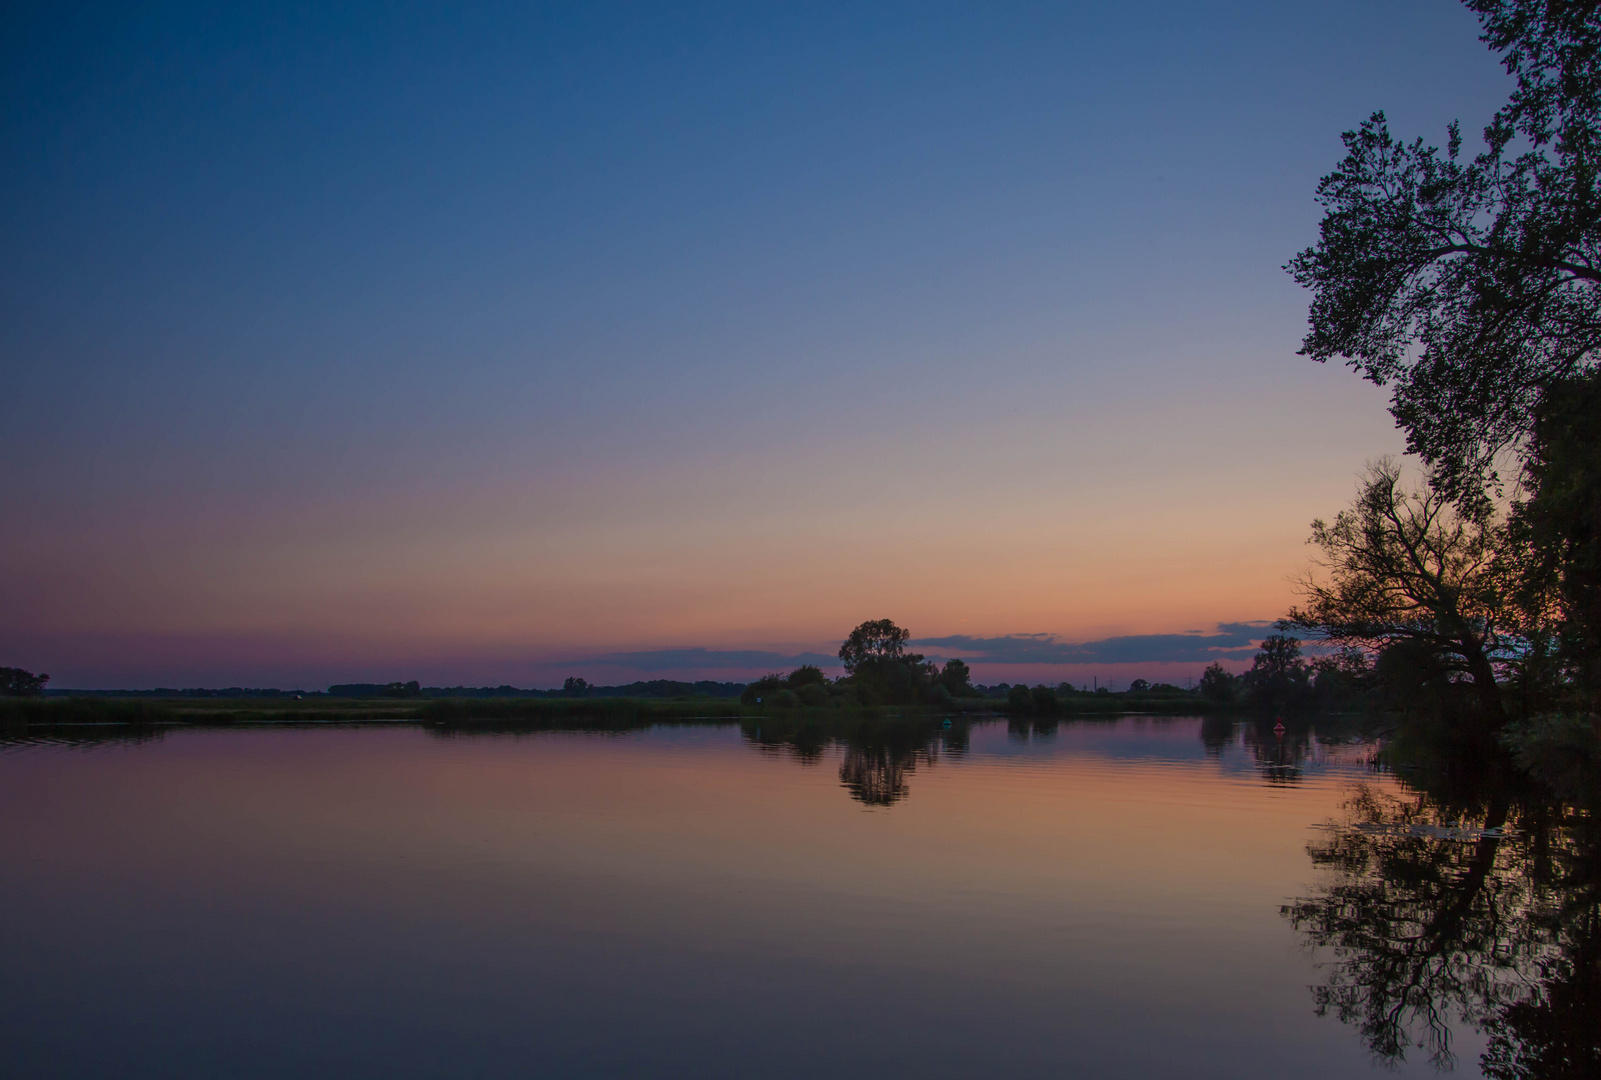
1232, 641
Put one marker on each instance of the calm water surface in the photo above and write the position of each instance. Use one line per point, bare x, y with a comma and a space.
1099, 899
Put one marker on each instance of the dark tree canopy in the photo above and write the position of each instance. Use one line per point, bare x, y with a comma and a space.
15, 682
957, 678
874, 640
1561, 524
1278, 676
1217, 684
1472, 285
1404, 566
806, 675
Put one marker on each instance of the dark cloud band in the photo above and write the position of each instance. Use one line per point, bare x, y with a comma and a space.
684, 659
1231, 641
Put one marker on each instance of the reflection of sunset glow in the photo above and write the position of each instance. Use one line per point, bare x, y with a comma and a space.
1121, 836
1082, 895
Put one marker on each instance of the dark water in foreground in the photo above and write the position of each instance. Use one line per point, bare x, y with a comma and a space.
1102, 899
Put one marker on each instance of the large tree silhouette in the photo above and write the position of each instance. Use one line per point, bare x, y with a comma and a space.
1472, 285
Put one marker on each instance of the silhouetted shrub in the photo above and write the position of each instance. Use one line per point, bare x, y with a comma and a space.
956, 677
813, 695
15, 682
1217, 685
763, 690
806, 675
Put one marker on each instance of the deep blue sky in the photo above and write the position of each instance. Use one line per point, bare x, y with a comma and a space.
472, 341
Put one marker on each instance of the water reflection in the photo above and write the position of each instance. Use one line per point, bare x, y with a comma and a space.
878, 754
1279, 747
1284, 749
23, 736
1039, 729
1096, 898
876, 775
1485, 908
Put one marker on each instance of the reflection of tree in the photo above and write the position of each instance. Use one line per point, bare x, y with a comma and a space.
1040, 728
1487, 912
1282, 755
879, 754
876, 775
1554, 1031
23, 736
1279, 755
1216, 734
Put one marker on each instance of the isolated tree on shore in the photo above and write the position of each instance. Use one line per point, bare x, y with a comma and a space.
880, 669
874, 640
1410, 566
1473, 286
15, 682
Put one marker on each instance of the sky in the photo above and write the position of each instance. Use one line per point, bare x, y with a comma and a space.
485, 344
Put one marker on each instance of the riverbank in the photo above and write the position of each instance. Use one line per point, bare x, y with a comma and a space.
524, 712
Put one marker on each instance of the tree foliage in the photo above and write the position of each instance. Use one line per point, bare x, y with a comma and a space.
957, 678
1278, 676
1217, 685
806, 675
879, 668
1473, 285
875, 640
1559, 529
1409, 566
15, 682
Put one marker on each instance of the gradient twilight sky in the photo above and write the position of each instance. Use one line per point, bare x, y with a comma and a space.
497, 343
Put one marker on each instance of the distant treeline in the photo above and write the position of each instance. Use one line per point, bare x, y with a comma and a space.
166, 692
654, 688
878, 672
19, 714
573, 688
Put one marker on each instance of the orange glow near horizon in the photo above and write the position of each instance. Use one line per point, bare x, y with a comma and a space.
496, 582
